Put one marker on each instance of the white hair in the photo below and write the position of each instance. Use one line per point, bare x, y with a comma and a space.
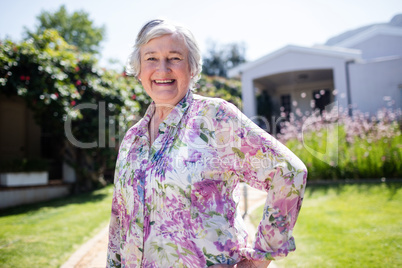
157, 28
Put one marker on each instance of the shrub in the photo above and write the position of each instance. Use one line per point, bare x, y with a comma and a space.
55, 80
337, 146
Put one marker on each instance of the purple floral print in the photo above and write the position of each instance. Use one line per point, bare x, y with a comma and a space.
175, 203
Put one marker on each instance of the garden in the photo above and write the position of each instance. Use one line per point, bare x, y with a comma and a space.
337, 146
347, 225
351, 211
46, 234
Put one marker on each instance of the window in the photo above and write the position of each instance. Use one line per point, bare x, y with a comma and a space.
286, 104
322, 98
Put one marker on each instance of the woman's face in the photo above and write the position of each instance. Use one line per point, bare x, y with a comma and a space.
165, 71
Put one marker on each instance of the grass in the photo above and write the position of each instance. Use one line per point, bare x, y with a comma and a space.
347, 226
46, 234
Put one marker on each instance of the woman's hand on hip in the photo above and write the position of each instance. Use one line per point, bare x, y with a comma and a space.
244, 264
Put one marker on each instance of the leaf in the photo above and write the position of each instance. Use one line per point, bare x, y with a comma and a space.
204, 137
238, 152
188, 251
211, 213
172, 245
179, 144
210, 263
289, 166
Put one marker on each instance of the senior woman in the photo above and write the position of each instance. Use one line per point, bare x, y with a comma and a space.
177, 177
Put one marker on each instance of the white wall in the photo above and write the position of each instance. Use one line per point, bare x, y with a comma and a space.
380, 46
248, 95
16, 196
370, 82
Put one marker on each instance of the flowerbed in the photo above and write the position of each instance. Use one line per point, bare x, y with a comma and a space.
336, 146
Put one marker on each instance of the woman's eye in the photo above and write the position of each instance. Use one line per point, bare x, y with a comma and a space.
175, 59
151, 59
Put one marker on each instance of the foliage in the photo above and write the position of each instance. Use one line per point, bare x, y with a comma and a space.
219, 87
24, 165
46, 234
56, 81
63, 86
337, 146
76, 29
220, 59
347, 226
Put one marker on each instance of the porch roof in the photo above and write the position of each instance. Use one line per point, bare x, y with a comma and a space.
338, 52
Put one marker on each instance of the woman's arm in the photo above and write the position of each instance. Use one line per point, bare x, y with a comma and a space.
113, 251
244, 264
264, 163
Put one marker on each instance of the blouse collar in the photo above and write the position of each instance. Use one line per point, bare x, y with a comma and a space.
173, 118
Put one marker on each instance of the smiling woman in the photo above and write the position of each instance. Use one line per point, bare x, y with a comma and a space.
165, 72
178, 173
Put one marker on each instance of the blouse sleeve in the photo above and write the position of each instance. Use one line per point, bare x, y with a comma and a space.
264, 163
113, 252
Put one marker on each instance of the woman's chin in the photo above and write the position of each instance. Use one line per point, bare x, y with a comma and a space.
168, 96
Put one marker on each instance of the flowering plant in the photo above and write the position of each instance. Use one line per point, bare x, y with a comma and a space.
73, 99
335, 145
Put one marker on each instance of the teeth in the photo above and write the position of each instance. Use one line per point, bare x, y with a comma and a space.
163, 81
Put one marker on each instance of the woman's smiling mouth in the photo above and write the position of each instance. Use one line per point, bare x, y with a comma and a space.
164, 82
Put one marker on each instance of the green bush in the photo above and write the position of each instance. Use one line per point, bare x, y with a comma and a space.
24, 165
54, 78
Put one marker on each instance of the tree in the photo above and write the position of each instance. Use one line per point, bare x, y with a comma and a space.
76, 29
55, 81
221, 58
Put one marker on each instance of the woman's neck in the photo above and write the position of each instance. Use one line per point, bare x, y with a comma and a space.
161, 112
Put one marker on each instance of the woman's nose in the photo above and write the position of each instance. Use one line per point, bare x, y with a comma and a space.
164, 66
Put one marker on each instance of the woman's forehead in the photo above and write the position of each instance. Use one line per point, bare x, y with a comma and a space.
170, 43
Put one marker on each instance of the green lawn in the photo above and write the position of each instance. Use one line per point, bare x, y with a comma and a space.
347, 226
46, 234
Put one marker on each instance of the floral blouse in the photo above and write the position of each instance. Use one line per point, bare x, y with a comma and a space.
175, 203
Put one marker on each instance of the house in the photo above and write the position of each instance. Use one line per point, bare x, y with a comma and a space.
360, 69
21, 137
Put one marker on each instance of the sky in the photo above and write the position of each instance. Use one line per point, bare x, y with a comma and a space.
262, 25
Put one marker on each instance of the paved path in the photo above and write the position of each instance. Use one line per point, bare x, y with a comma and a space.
93, 253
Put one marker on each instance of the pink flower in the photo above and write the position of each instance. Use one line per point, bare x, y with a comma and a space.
73, 103
78, 83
